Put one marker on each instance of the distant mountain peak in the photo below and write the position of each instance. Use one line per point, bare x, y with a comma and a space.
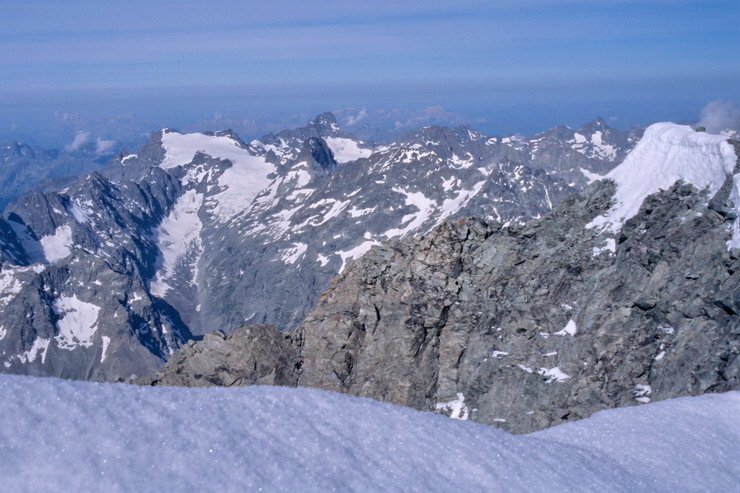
594, 125
326, 123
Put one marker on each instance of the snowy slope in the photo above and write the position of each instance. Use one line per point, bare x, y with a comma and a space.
73, 436
238, 185
346, 150
667, 153
705, 430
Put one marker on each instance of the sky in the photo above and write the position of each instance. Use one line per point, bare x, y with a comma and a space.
502, 66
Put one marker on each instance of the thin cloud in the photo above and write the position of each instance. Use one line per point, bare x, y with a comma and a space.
103, 146
80, 139
720, 115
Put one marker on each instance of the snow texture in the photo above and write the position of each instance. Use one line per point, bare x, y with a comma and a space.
666, 153
346, 150
57, 246
686, 444
570, 329
77, 322
80, 436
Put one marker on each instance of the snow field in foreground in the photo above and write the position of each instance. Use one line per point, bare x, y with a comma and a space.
77, 436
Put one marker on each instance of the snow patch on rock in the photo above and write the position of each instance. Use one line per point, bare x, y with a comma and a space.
39, 348
77, 324
456, 408
346, 150
570, 329
355, 253
58, 245
291, 255
239, 184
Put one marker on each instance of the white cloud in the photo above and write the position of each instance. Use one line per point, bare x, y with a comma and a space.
80, 138
103, 146
720, 115
353, 119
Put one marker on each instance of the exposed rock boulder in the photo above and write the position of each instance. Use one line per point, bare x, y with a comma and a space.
255, 354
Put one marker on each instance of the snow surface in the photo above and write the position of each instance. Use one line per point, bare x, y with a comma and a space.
346, 150
355, 253
570, 329
77, 323
180, 149
686, 444
666, 153
60, 435
57, 246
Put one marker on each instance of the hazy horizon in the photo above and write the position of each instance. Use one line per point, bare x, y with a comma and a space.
510, 66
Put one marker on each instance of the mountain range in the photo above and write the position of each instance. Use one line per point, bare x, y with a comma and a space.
107, 275
25, 168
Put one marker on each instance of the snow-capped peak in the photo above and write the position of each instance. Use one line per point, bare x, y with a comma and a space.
326, 124
667, 153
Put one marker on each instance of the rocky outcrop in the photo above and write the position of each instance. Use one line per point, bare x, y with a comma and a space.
256, 354
527, 327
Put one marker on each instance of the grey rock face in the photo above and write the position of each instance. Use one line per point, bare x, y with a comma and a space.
525, 328
251, 355
529, 326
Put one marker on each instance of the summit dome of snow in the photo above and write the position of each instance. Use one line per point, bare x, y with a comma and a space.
77, 436
666, 153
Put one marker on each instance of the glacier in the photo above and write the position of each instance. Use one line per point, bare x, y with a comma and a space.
82, 436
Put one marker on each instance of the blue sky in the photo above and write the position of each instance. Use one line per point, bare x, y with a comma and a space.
516, 65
